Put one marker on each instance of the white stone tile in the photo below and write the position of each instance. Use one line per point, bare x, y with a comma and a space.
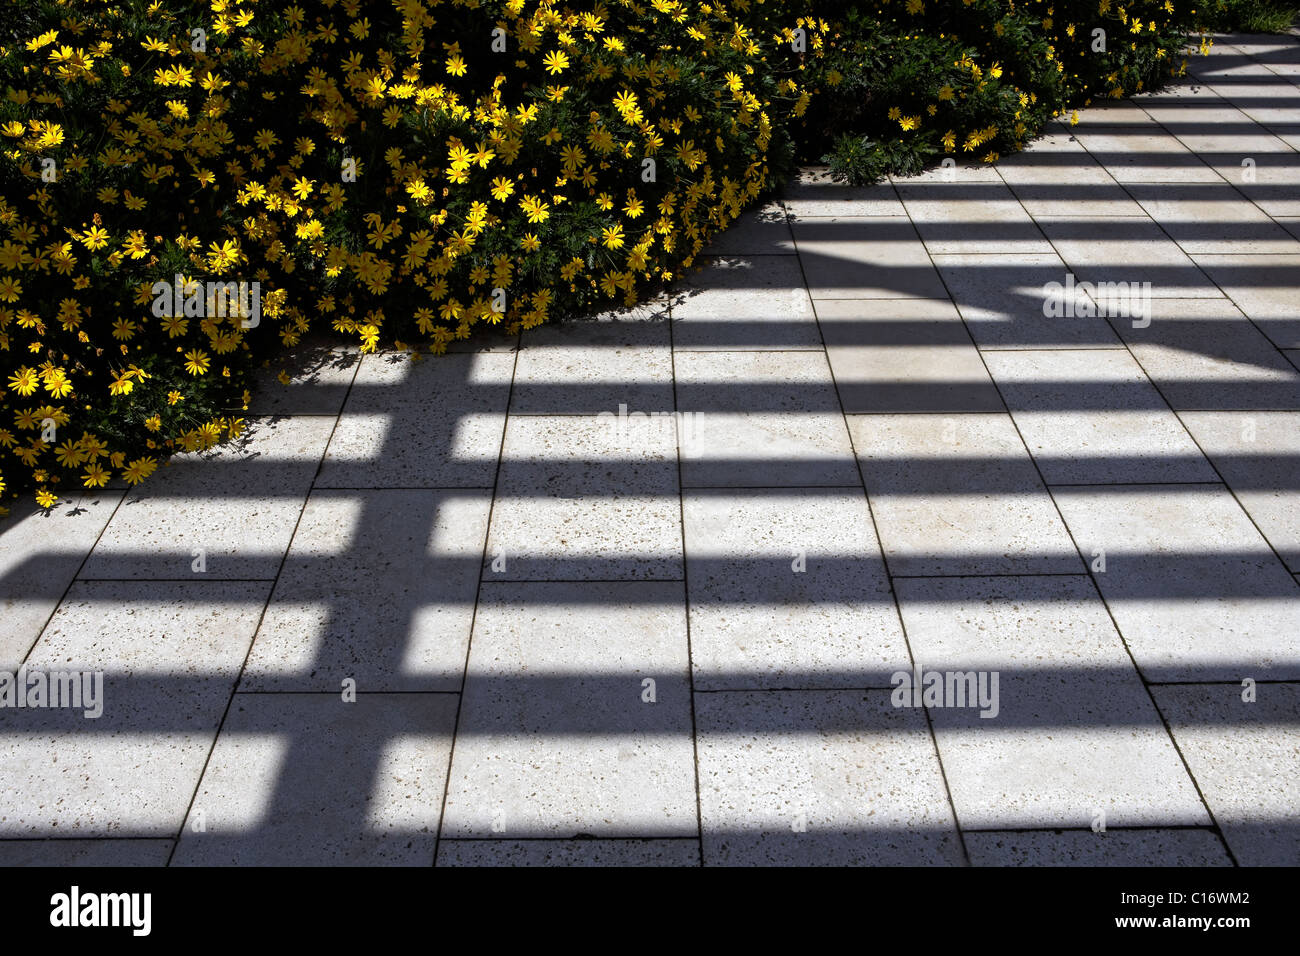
964, 172
1204, 354
589, 367
40, 552
319, 375
788, 590
1154, 847
1145, 154
1266, 170
954, 218
1268, 103
1124, 249
1212, 218
1003, 299
757, 232
1246, 759
1066, 732
84, 852
1258, 455
761, 418
1055, 176
757, 302
820, 778
379, 587
681, 852
880, 257
236, 504
586, 497
812, 193
904, 355
958, 495
435, 423
1195, 590
310, 780
1265, 288
560, 735
170, 653
1093, 417
1029, 628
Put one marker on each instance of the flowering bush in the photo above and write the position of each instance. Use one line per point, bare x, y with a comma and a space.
913, 81
398, 170
403, 171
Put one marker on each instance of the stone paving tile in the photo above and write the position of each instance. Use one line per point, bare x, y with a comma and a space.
958, 495
865, 258
1202, 120
1194, 589
788, 590
683, 852
379, 587
427, 424
1265, 288
1280, 53
1120, 249
99, 852
1056, 176
1145, 154
904, 355
737, 302
40, 552
1032, 628
1107, 114
1211, 218
319, 377
760, 418
1154, 847
1246, 759
1267, 172
1203, 354
586, 497
170, 653
1093, 417
559, 734
1273, 105
966, 173
1062, 754
595, 366
820, 778
1258, 456
812, 193
236, 504
955, 218
758, 232
1069, 731
1003, 298
310, 780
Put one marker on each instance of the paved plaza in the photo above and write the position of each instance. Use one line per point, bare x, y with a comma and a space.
640, 590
